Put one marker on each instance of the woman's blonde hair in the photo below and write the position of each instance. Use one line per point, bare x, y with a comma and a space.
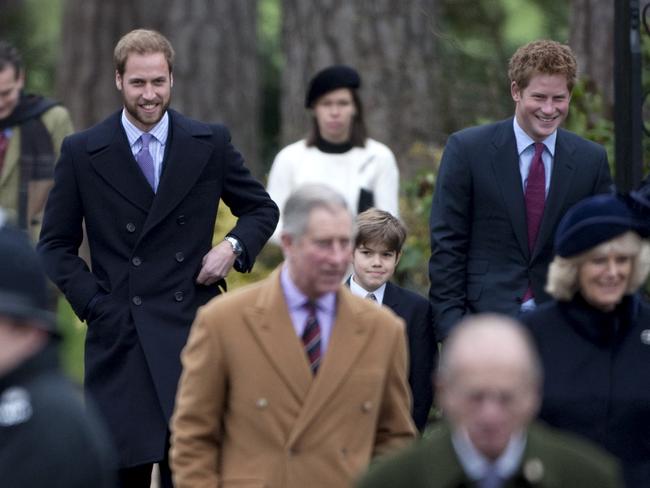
562, 282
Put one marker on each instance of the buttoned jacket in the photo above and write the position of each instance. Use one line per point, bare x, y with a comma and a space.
250, 413
480, 259
139, 295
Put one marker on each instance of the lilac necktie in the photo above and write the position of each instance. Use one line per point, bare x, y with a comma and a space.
535, 197
145, 161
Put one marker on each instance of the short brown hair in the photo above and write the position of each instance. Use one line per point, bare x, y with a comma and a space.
545, 57
379, 226
142, 41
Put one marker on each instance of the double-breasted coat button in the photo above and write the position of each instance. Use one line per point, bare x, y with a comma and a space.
534, 470
180, 257
136, 261
180, 220
130, 227
261, 403
136, 300
179, 296
366, 406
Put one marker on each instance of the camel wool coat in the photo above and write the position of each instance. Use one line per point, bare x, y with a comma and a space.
249, 413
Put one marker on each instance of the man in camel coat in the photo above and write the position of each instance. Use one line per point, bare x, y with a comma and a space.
293, 381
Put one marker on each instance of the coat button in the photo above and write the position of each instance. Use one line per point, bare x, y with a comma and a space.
180, 220
366, 406
180, 257
136, 300
136, 261
130, 227
178, 296
261, 403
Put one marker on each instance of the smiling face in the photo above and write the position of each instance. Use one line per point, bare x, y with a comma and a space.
604, 278
374, 265
334, 114
542, 106
146, 88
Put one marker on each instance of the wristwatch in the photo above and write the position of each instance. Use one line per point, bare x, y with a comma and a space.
235, 244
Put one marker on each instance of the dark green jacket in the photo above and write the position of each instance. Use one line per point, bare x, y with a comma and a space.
551, 460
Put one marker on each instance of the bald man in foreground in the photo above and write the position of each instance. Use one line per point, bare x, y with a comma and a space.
488, 386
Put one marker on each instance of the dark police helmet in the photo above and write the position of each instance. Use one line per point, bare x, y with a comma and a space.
23, 285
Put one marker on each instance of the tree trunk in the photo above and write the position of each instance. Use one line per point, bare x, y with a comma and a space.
391, 44
592, 39
215, 72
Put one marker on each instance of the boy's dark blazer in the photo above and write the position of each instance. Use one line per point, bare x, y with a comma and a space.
415, 310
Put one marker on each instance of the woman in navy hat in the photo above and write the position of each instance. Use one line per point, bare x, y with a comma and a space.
337, 151
594, 338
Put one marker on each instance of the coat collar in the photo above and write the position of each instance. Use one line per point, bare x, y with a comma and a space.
269, 320
188, 151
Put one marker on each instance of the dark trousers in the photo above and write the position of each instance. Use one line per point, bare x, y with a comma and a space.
140, 476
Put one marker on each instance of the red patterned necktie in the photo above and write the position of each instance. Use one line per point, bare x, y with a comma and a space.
4, 143
535, 197
311, 338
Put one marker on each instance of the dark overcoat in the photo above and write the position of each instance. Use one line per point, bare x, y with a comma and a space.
146, 251
480, 261
596, 376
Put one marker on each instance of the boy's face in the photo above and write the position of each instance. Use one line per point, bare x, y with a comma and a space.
373, 265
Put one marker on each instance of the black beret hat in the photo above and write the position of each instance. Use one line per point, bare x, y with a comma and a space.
591, 222
329, 79
23, 285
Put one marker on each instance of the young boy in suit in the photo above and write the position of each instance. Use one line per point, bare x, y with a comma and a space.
377, 250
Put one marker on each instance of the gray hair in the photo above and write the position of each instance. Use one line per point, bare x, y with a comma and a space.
297, 209
562, 282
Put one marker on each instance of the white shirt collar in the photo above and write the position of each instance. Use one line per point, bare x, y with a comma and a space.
360, 291
524, 140
476, 465
160, 131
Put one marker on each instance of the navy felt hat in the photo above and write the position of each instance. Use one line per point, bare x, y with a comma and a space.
329, 79
23, 285
591, 222
639, 202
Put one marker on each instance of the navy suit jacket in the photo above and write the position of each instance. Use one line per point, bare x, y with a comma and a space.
415, 310
146, 251
480, 259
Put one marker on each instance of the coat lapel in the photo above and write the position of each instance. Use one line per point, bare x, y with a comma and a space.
111, 157
505, 163
350, 334
270, 323
185, 160
561, 176
391, 297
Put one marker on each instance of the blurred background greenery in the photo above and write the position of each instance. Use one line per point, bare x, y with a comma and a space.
430, 67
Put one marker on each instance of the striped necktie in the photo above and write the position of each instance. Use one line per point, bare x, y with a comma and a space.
311, 338
371, 296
